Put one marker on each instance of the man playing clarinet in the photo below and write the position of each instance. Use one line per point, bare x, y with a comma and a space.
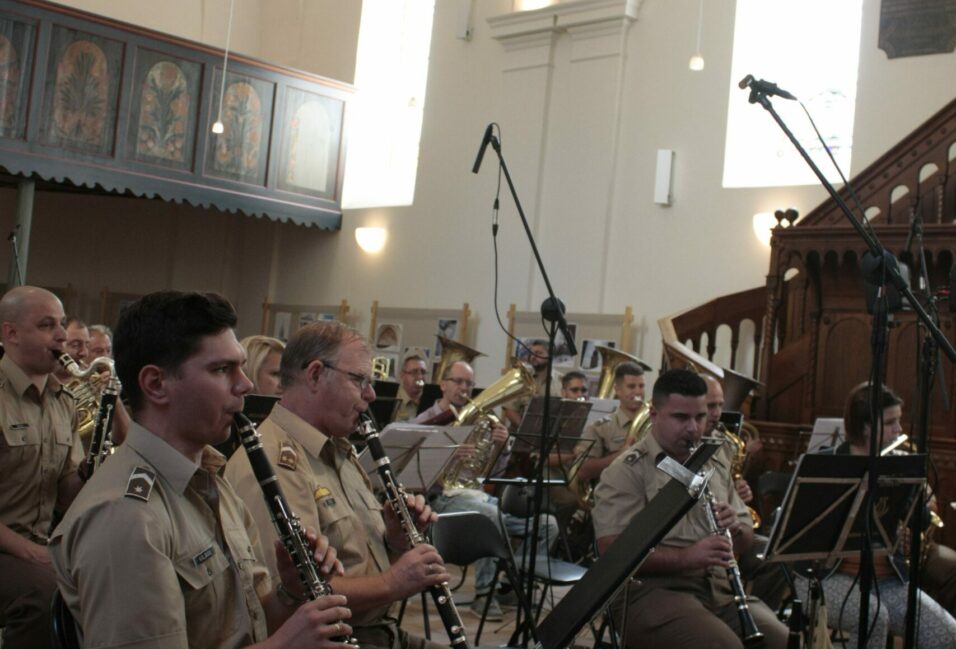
157, 550
683, 597
326, 384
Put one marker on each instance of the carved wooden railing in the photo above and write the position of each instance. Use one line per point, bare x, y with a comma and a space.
728, 310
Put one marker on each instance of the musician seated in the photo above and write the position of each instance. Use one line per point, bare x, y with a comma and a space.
325, 372
157, 549
411, 386
610, 433
768, 581
263, 354
39, 456
456, 384
683, 597
537, 358
101, 341
937, 627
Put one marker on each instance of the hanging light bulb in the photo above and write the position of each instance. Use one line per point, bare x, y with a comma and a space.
697, 61
217, 126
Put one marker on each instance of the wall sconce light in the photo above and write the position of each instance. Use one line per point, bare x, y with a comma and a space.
371, 240
697, 61
763, 223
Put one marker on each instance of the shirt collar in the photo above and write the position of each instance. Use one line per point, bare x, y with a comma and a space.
310, 437
172, 465
21, 382
622, 418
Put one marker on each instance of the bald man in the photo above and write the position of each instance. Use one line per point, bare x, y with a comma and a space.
39, 455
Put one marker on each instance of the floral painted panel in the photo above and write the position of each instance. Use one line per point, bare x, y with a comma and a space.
312, 136
81, 91
16, 61
163, 115
240, 152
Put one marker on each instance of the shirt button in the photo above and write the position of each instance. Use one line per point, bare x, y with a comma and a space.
209, 571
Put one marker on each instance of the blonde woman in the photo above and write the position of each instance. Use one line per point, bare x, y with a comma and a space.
262, 363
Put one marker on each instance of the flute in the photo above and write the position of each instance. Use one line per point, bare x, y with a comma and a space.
396, 496
287, 524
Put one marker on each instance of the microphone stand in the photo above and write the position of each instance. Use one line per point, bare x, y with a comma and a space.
552, 311
884, 268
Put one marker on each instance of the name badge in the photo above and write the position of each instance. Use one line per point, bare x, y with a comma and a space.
204, 556
19, 426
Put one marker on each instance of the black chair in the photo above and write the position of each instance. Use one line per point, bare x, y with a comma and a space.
462, 538
65, 634
549, 572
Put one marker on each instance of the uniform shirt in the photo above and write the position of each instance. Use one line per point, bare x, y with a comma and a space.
407, 408
326, 488
158, 552
608, 434
633, 479
37, 449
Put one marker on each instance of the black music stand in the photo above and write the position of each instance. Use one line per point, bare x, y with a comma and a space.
622, 559
820, 517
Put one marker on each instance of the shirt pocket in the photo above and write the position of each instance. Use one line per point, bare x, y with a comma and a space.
17, 433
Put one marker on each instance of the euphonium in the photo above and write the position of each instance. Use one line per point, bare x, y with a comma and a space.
84, 388
465, 474
452, 351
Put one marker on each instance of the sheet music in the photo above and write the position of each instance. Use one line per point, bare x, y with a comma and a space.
417, 453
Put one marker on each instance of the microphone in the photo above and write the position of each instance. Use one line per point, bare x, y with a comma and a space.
764, 87
485, 141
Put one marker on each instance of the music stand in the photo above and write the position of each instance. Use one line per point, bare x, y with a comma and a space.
568, 418
820, 519
623, 558
418, 453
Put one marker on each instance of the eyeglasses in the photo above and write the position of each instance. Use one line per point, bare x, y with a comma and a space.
418, 372
460, 381
362, 382
580, 390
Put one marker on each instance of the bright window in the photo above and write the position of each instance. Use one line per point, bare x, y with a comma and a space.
385, 115
811, 49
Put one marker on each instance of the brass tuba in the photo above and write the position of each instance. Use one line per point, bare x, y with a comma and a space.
610, 359
465, 474
452, 351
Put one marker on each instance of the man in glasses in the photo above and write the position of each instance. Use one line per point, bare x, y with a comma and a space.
326, 380
457, 383
411, 385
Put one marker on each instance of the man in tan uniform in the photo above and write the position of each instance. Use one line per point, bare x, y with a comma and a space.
610, 433
538, 359
158, 550
411, 385
39, 455
326, 383
683, 598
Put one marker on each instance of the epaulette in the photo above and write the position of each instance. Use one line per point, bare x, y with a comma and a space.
140, 484
633, 456
288, 458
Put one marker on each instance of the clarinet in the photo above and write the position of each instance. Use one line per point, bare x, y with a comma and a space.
395, 494
101, 442
749, 631
286, 522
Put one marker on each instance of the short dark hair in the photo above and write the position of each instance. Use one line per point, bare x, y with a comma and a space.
682, 382
165, 329
627, 368
856, 412
571, 376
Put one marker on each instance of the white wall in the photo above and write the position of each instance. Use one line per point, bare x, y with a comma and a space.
585, 179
